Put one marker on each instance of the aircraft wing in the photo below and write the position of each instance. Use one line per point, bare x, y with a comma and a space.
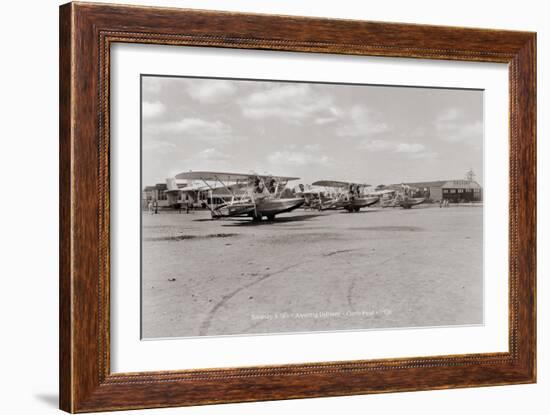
311, 192
226, 177
335, 183
382, 192
194, 188
188, 189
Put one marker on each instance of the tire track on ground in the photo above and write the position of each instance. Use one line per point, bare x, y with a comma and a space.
205, 325
225, 298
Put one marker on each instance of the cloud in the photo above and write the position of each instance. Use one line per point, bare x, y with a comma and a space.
291, 155
152, 109
410, 150
312, 147
361, 122
151, 85
449, 115
297, 158
210, 158
158, 146
365, 124
470, 132
211, 154
291, 102
196, 128
210, 91
376, 145
325, 120
453, 126
423, 155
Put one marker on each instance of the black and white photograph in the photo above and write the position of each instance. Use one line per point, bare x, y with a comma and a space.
275, 207
282, 206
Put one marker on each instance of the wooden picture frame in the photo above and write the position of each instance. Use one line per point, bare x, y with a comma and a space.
86, 33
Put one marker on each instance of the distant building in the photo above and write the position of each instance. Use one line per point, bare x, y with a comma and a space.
176, 194
156, 193
462, 191
452, 190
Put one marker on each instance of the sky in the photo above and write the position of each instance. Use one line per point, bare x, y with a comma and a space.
361, 133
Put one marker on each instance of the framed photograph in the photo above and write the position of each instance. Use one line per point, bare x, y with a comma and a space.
258, 207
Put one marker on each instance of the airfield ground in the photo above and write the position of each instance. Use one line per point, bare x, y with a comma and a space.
311, 271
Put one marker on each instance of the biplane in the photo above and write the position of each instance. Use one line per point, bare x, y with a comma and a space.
179, 195
316, 197
396, 198
253, 195
345, 195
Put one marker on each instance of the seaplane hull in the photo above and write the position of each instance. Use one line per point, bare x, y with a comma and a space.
410, 202
274, 206
233, 209
355, 204
265, 207
271, 207
363, 202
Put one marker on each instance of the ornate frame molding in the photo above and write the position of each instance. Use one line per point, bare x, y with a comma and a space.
86, 34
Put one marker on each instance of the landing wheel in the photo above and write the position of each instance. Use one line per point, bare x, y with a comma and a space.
356, 209
349, 209
257, 217
270, 217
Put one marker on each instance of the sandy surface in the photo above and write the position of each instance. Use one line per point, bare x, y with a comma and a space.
311, 271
